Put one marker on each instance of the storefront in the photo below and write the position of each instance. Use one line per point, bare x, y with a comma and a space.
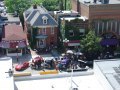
109, 43
13, 48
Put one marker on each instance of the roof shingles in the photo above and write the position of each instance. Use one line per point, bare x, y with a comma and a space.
14, 32
35, 17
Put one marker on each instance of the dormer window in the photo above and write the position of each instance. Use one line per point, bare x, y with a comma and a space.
44, 19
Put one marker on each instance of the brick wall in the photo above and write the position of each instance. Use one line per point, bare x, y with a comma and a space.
51, 37
74, 5
110, 11
84, 11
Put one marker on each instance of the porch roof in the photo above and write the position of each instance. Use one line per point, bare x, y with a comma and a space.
41, 36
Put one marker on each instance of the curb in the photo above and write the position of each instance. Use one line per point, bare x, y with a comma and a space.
22, 74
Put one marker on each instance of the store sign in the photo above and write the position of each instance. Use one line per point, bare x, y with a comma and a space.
73, 44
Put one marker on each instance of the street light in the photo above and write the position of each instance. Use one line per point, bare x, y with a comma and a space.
65, 41
17, 52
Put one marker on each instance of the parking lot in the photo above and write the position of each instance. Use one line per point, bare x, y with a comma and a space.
28, 58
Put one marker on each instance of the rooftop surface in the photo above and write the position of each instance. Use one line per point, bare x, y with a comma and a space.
111, 71
91, 2
11, 18
88, 82
6, 82
106, 76
72, 18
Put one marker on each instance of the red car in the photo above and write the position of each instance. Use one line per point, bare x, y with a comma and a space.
23, 66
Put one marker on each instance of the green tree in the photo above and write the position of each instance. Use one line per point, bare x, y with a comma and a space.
51, 5
90, 45
17, 5
37, 2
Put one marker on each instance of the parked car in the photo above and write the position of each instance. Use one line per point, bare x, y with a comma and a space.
36, 62
23, 66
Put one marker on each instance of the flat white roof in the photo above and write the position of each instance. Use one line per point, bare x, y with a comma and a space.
111, 71
65, 12
6, 82
72, 18
88, 82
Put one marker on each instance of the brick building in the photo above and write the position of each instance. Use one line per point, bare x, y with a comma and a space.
14, 40
72, 27
104, 17
41, 27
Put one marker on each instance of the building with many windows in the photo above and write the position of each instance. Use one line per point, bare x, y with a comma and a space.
104, 18
72, 28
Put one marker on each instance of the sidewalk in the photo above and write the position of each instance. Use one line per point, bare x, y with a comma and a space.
28, 57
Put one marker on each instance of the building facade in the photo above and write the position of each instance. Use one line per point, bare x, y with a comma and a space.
72, 28
13, 41
104, 18
41, 27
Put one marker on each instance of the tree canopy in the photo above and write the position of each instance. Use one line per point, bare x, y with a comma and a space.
51, 5
17, 5
22, 5
91, 43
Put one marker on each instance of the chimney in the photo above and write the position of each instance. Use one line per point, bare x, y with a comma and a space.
94, 1
34, 6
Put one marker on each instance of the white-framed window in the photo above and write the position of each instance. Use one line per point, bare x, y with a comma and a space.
45, 21
81, 32
71, 33
39, 31
45, 18
44, 31
52, 30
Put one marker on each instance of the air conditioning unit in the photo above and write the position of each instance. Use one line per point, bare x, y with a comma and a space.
75, 89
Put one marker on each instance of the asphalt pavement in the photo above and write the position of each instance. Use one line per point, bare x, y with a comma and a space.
28, 57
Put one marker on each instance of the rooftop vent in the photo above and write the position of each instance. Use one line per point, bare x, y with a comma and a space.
104, 1
74, 88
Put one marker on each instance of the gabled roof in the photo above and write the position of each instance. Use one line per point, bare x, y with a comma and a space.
35, 17
14, 32
39, 21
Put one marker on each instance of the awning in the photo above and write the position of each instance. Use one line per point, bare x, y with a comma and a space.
109, 42
13, 44
41, 36
22, 44
4, 44
74, 43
